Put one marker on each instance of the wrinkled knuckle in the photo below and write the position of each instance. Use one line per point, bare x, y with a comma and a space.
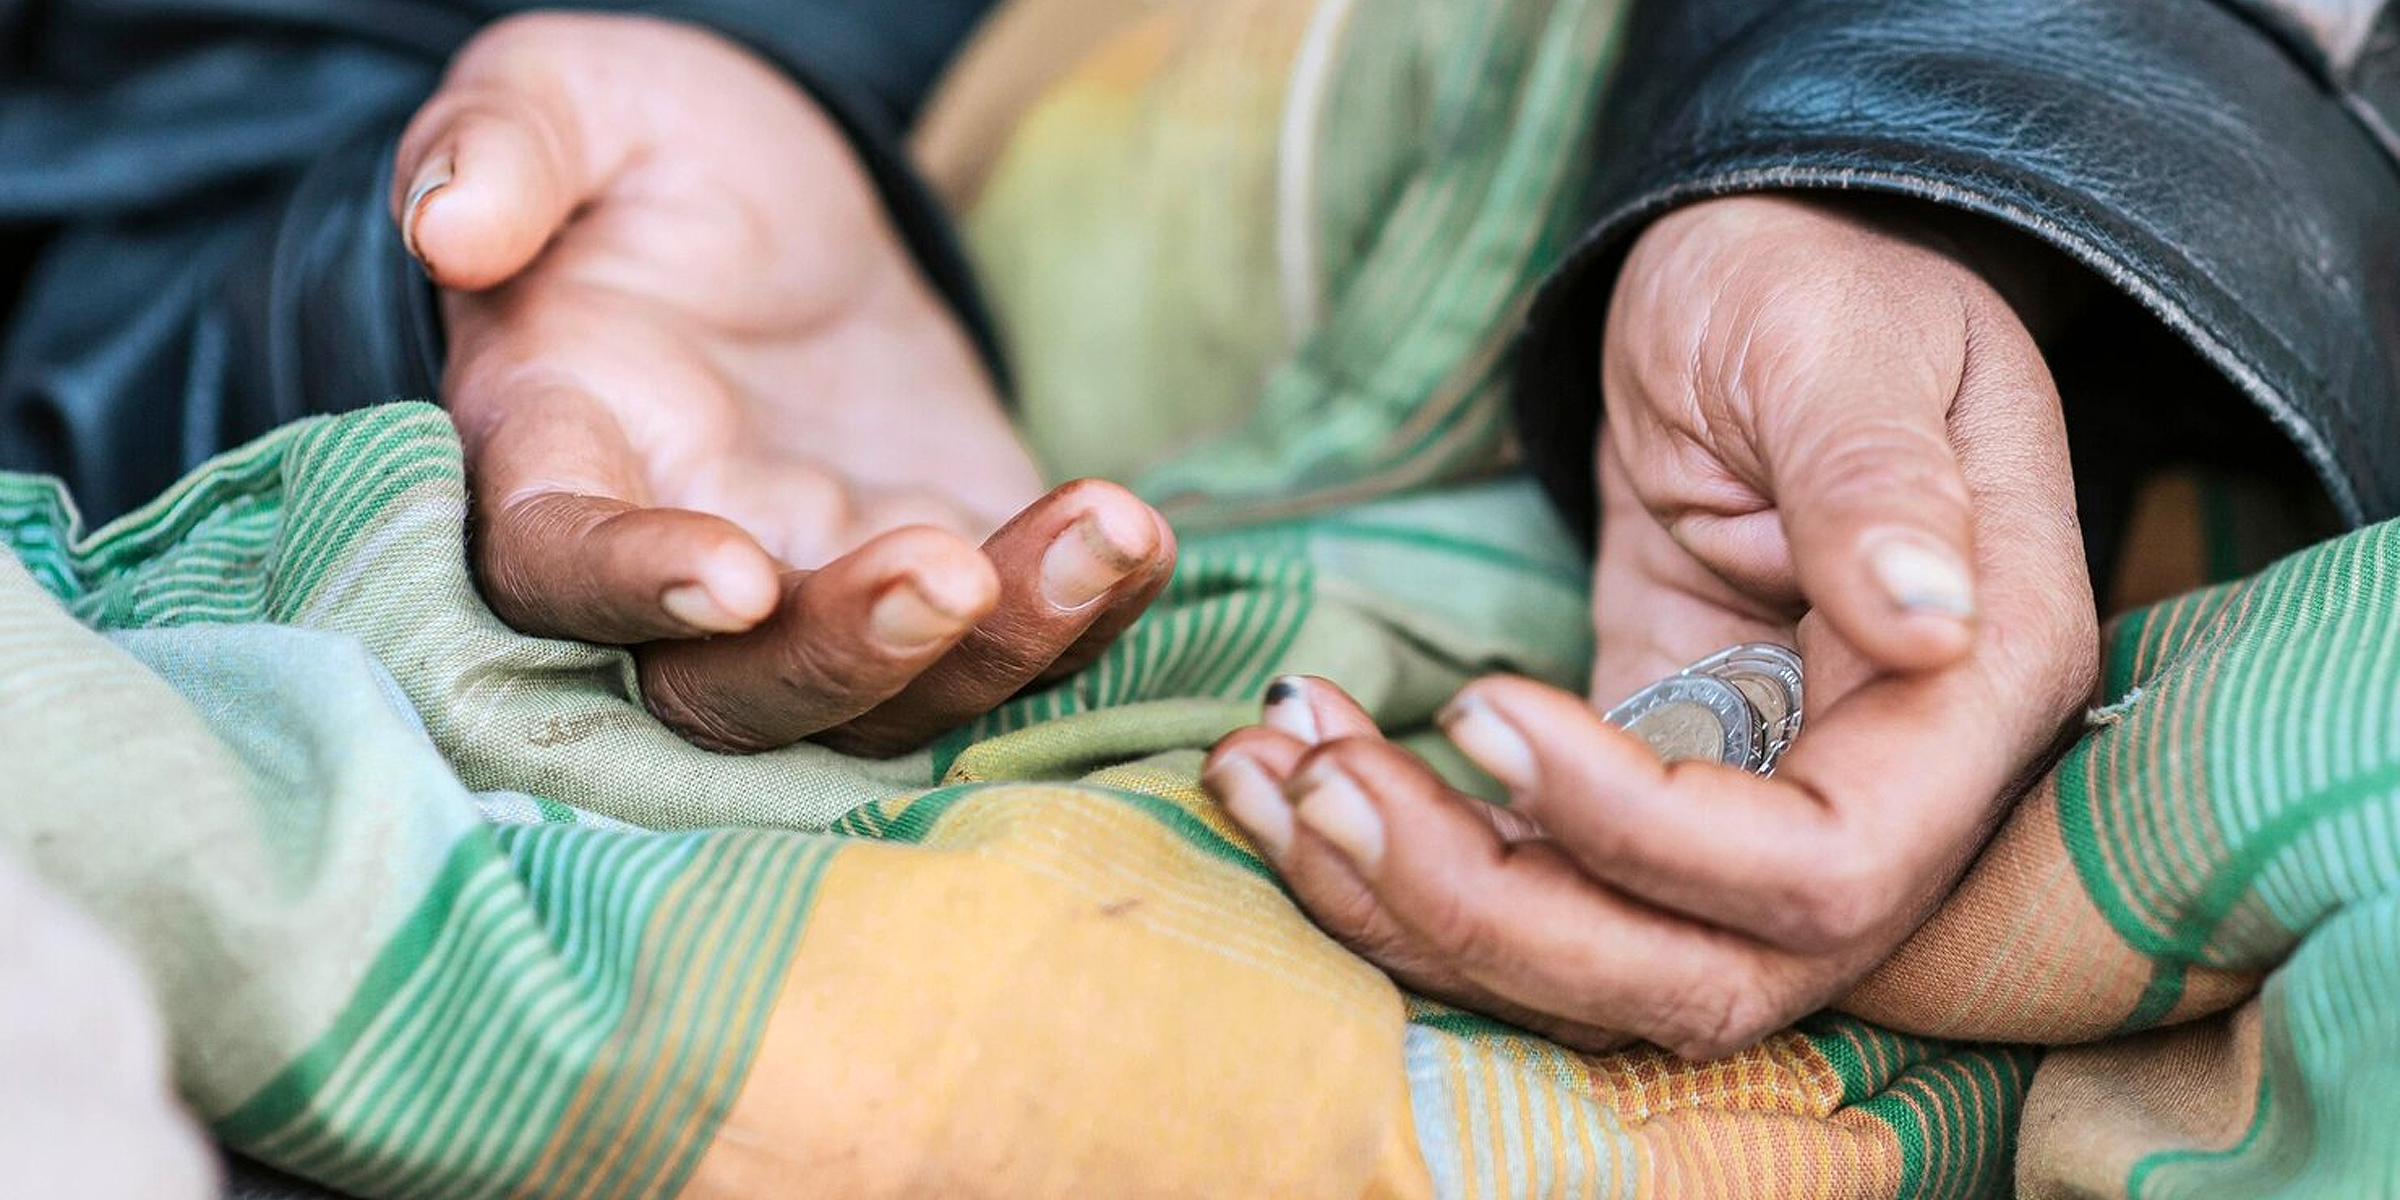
807, 667
1458, 929
1716, 1020
679, 702
1759, 340
1877, 459
1016, 651
508, 583
1352, 920
549, 518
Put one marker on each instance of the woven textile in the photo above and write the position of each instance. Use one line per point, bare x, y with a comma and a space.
434, 909
412, 891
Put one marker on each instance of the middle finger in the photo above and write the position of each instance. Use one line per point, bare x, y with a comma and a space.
1065, 565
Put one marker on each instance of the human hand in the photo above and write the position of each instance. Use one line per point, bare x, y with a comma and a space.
1821, 429
703, 390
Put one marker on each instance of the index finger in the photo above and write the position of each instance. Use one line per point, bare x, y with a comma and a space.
1843, 843
1523, 923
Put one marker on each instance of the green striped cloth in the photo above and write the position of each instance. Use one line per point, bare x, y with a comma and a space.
435, 910
390, 864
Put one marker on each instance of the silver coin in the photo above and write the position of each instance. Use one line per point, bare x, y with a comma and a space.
1770, 677
1758, 660
1694, 717
1740, 706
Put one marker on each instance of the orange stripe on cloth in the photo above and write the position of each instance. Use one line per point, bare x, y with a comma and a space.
1766, 1123
2019, 953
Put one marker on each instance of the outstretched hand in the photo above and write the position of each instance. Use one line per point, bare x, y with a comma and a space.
704, 391
1822, 430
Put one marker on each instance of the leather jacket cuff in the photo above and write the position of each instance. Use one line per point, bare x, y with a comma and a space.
2171, 148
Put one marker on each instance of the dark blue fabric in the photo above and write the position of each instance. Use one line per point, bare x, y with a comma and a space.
193, 229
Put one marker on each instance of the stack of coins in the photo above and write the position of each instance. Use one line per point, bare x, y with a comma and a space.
1739, 706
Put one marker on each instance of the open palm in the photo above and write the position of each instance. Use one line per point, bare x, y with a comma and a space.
704, 389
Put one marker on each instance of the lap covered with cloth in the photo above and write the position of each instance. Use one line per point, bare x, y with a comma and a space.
435, 909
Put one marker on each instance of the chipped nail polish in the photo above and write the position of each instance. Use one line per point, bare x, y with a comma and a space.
1288, 710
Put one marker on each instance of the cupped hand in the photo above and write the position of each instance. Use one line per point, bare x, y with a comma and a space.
704, 390
1825, 427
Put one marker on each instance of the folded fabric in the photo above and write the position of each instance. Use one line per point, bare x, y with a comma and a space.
434, 909
2218, 861
372, 848
410, 889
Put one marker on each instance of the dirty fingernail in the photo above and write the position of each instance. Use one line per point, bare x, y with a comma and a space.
905, 620
431, 178
1486, 737
696, 607
1253, 801
1085, 561
1289, 711
1920, 578
1335, 808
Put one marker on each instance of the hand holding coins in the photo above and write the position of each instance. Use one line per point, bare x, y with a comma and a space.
1739, 706
1791, 444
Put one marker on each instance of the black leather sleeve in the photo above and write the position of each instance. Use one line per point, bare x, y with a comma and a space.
193, 206
2177, 149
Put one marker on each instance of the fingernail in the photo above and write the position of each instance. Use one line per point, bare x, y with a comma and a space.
1486, 737
1920, 578
695, 606
1334, 808
903, 619
431, 178
1085, 561
1253, 801
1289, 711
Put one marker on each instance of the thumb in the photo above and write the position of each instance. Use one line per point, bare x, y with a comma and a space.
495, 162
1876, 510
